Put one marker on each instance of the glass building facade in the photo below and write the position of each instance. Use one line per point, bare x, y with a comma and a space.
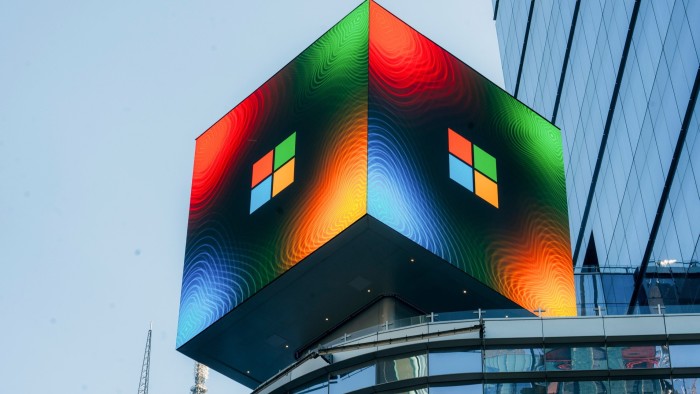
579, 355
620, 78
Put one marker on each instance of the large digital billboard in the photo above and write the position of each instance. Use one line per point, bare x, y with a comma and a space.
243, 231
462, 168
375, 120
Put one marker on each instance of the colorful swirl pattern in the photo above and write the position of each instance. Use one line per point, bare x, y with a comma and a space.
231, 254
371, 102
417, 91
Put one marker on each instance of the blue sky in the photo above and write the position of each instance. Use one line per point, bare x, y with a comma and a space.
100, 103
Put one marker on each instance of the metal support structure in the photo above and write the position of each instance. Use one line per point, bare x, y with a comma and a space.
146, 366
599, 310
201, 373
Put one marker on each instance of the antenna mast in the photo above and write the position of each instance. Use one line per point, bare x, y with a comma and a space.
201, 373
146, 367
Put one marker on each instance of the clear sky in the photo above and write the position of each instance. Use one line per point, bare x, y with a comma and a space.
100, 103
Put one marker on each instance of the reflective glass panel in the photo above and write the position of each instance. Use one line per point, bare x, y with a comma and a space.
415, 390
575, 358
514, 360
685, 356
454, 361
515, 388
344, 381
686, 385
638, 356
641, 386
463, 389
583, 387
405, 367
318, 387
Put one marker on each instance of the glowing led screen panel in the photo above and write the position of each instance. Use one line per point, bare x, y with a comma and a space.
375, 119
465, 170
278, 176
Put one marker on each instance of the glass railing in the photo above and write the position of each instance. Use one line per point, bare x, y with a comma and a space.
521, 362
487, 314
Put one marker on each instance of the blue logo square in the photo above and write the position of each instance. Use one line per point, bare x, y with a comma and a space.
260, 194
461, 173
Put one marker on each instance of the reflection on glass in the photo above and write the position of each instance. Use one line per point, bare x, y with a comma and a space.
454, 361
618, 288
515, 388
407, 367
318, 387
415, 390
686, 385
583, 387
514, 360
575, 358
344, 381
641, 386
685, 356
638, 356
463, 389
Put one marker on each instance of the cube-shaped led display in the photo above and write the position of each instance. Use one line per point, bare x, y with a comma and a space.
373, 128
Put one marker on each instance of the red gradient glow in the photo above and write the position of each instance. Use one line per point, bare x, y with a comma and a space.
221, 148
411, 67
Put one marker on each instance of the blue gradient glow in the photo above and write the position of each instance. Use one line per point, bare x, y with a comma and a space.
216, 280
398, 196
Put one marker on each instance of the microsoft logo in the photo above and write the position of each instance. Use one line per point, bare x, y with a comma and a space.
472, 168
273, 173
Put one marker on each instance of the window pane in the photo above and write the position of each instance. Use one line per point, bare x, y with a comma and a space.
686, 385
641, 386
515, 388
407, 367
575, 358
344, 381
583, 387
412, 390
514, 360
685, 356
463, 389
318, 387
454, 361
639, 356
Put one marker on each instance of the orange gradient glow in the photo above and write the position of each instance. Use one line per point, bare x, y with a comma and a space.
337, 197
536, 271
